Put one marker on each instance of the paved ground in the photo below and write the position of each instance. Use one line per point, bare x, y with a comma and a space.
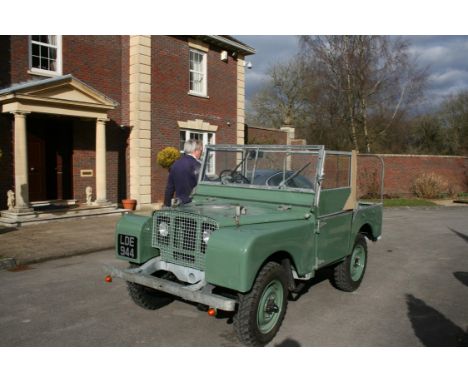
39, 242
414, 294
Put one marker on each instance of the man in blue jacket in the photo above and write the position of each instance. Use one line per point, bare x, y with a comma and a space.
183, 175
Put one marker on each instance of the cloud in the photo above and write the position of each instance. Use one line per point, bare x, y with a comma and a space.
270, 51
254, 82
449, 77
446, 58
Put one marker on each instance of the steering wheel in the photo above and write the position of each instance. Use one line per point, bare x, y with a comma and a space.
229, 176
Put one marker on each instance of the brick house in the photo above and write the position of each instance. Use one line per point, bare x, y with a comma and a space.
79, 111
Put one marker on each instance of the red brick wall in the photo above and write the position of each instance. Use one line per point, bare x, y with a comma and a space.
265, 136
101, 62
125, 80
97, 61
402, 170
84, 158
171, 103
19, 56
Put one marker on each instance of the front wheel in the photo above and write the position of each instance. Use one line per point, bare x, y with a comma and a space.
349, 273
261, 311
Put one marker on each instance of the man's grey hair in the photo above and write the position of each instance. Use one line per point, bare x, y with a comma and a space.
191, 145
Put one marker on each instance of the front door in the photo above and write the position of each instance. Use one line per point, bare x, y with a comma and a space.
37, 163
50, 158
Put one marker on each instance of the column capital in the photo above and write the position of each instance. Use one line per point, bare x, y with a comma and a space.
102, 120
20, 113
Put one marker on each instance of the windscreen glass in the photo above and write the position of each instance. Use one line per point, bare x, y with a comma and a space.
261, 168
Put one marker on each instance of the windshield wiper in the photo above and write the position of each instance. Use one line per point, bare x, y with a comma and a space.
241, 162
293, 175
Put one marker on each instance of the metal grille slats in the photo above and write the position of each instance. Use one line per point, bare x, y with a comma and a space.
183, 244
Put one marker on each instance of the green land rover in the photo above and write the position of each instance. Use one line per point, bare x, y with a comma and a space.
263, 221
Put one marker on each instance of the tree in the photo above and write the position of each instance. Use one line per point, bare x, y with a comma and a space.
454, 119
347, 92
282, 100
427, 135
371, 78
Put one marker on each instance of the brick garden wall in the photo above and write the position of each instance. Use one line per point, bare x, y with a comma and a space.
402, 170
171, 102
265, 136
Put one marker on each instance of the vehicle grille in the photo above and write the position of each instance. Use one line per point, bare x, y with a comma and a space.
183, 244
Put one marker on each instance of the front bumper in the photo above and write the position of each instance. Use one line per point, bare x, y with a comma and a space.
200, 292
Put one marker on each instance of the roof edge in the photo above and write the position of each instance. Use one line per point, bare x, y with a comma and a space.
244, 48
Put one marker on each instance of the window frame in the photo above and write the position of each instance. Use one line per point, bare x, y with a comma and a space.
45, 72
205, 140
204, 92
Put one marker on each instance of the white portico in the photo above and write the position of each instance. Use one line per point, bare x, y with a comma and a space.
63, 96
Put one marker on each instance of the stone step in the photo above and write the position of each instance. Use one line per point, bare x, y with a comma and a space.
10, 219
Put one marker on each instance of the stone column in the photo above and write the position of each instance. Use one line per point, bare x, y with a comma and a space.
140, 119
101, 175
21, 164
290, 131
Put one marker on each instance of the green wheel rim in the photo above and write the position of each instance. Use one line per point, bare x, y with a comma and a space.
267, 316
357, 263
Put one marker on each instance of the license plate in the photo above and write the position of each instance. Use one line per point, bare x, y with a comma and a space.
127, 246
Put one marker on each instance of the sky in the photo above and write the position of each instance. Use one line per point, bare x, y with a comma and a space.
445, 56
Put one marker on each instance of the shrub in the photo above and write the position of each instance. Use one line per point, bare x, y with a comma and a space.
430, 186
167, 156
369, 184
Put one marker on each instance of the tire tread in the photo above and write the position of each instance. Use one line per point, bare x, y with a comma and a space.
341, 275
245, 320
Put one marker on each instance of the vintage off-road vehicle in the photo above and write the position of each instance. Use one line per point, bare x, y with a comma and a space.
263, 221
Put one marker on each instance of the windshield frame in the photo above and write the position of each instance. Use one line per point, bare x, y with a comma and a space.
317, 150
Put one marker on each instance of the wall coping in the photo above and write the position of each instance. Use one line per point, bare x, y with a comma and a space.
415, 155
267, 128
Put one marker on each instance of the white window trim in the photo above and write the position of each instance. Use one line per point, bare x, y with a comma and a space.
43, 72
205, 76
205, 142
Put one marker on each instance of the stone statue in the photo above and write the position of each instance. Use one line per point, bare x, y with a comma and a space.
89, 195
10, 200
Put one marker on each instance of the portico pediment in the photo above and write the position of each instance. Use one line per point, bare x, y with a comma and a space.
66, 92
60, 95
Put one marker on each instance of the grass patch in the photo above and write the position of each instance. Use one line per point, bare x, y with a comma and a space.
403, 202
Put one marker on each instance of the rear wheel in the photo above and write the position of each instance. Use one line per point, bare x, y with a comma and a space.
348, 274
147, 298
262, 310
